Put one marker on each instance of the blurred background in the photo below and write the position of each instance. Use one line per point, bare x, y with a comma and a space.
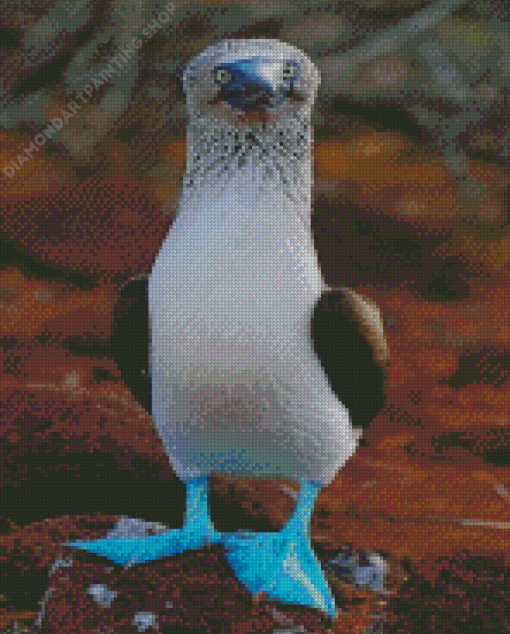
411, 208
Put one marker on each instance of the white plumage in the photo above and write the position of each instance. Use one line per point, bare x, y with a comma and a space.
237, 386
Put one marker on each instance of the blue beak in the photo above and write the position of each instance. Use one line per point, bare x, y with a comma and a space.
255, 83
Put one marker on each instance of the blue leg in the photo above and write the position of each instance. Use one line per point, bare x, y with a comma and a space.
197, 532
283, 564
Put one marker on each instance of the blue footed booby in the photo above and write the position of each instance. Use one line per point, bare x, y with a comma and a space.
255, 367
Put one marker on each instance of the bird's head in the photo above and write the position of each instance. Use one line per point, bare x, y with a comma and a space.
251, 84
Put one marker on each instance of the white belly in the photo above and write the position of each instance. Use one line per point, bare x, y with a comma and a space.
237, 387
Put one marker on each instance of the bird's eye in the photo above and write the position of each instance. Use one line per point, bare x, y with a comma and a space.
289, 71
222, 76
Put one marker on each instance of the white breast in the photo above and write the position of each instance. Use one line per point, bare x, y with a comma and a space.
236, 384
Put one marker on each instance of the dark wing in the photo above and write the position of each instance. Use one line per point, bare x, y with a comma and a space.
130, 339
348, 339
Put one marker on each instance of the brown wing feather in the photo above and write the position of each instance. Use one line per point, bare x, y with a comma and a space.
349, 340
130, 339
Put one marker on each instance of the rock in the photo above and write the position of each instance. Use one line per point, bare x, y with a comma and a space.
193, 592
196, 591
467, 592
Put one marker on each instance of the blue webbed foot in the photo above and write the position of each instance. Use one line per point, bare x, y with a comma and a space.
196, 533
283, 564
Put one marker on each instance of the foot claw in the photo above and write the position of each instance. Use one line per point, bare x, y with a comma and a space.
281, 567
259, 597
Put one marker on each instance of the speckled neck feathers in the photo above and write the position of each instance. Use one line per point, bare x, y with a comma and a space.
276, 156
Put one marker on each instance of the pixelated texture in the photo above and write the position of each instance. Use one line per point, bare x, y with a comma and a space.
178, 591
234, 374
192, 592
410, 209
